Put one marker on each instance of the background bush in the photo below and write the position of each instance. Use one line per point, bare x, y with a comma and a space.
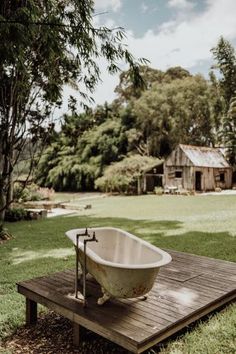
15, 214
122, 176
31, 192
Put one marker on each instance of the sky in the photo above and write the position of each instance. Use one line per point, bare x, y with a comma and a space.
167, 33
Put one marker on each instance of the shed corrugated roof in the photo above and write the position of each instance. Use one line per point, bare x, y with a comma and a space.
205, 156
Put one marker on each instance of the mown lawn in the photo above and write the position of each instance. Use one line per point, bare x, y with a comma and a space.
200, 225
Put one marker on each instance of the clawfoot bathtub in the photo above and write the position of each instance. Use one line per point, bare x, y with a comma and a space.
124, 265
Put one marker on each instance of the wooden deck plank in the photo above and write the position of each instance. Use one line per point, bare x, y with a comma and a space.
148, 306
180, 275
89, 320
134, 309
164, 334
119, 307
142, 304
115, 315
204, 263
211, 283
195, 291
185, 290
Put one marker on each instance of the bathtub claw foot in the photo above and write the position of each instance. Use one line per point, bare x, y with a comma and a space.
104, 298
143, 298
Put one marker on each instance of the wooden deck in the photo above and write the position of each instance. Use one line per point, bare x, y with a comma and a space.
185, 290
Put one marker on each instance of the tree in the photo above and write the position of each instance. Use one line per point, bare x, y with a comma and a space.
123, 176
44, 45
225, 57
229, 132
217, 106
175, 112
128, 93
74, 161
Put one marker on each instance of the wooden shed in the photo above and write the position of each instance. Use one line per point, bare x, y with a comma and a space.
197, 168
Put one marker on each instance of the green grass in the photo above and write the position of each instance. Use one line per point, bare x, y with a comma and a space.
216, 336
199, 225
194, 213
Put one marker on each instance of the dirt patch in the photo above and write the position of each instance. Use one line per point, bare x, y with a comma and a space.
53, 334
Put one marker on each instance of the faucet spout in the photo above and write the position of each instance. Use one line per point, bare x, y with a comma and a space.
93, 239
84, 234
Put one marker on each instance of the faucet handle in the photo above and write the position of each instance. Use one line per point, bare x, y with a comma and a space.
94, 237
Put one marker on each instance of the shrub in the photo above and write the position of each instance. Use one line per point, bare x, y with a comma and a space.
31, 192
46, 193
159, 190
116, 183
15, 214
20, 194
122, 176
4, 234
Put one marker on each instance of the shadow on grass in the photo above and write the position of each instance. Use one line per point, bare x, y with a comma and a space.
49, 234
220, 245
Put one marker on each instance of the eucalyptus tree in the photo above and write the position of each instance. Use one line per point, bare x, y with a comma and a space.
45, 44
225, 58
178, 111
127, 92
229, 132
140, 111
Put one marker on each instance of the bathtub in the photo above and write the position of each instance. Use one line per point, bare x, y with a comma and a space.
124, 265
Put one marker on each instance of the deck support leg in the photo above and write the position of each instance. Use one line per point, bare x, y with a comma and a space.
78, 333
31, 312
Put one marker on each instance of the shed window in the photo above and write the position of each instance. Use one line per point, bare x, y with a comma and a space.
222, 177
178, 174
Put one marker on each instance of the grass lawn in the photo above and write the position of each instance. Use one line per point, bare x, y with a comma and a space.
204, 225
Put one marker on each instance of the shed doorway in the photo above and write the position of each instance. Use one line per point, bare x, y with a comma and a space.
152, 181
198, 181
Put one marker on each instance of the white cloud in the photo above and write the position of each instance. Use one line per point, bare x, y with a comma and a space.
106, 5
181, 4
144, 7
148, 8
185, 41
193, 35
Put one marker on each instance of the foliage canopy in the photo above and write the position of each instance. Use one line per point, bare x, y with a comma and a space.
122, 176
174, 107
43, 46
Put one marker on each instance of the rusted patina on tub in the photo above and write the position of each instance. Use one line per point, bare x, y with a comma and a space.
124, 265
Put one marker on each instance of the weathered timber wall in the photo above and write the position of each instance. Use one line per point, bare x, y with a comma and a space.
210, 177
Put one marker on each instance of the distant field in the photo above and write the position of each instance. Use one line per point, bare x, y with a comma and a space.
192, 213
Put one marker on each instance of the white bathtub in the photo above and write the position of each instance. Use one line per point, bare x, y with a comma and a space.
124, 265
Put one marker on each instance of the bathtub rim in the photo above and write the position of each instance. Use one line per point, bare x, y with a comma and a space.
166, 257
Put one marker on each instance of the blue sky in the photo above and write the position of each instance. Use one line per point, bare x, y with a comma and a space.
167, 32
139, 15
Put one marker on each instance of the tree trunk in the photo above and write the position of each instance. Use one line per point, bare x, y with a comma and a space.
2, 201
9, 196
6, 184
